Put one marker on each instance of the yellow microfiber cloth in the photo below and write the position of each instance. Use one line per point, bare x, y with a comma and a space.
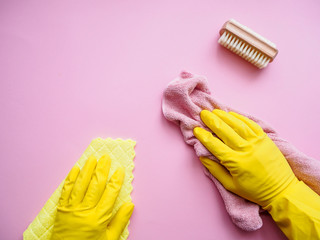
122, 154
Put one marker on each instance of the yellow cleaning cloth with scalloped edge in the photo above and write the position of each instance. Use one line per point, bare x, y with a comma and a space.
122, 154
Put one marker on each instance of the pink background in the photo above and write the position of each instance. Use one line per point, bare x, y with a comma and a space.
71, 71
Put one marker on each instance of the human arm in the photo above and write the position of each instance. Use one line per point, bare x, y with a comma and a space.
253, 167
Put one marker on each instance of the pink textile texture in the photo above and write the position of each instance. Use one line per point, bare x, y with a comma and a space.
183, 100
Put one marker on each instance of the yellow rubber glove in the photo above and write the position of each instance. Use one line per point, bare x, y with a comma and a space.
254, 168
86, 204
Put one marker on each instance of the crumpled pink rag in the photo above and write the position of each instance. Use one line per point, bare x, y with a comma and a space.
184, 99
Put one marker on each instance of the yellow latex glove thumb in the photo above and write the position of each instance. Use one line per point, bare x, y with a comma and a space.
86, 204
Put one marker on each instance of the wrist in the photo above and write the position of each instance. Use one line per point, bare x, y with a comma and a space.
297, 212
270, 194
297, 192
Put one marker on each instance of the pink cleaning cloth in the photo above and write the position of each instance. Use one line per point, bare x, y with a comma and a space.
184, 99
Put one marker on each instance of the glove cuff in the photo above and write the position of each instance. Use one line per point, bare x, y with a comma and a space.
296, 210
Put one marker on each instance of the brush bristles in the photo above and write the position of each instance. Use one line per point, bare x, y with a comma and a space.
244, 50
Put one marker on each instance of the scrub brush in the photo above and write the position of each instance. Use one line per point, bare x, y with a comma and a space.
247, 44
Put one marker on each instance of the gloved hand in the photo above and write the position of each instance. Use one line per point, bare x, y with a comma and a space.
254, 168
86, 204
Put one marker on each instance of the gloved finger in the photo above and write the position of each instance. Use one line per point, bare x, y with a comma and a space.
98, 182
119, 221
83, 180
252, 124
222, 130
68, 186
111, 193
213, 144
220, 173
236, 124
